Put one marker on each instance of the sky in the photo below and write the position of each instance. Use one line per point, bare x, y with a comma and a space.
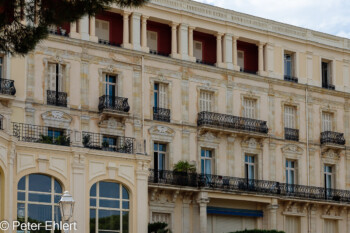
329, 16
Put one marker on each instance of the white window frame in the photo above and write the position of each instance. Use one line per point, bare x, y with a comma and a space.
290, 169
100, 22
162, 95
331, 174
327, 121
292, 61
290, 117
250, 108
248, 164
159, 152
110, 84
206, 99
205, 158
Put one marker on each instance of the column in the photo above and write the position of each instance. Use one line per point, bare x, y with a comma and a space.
269, 59
228, 51
84, 27
135, 31
186, 214
219, 49
126, 29
144, 33
230, 155
313, 219
73, 31
190, 43
272, 224
174, 40
235, 56
77, 190
93, 36
266, 165
203, 201
183, 41
142, 197
346, 80
261, 58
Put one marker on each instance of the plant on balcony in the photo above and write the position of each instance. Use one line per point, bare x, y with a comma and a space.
182, 173
62, 140
258, 231
105, 145
184, 166
86, 140
158, 227
45, 139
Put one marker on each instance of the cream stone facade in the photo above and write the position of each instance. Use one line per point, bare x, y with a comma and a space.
261, 108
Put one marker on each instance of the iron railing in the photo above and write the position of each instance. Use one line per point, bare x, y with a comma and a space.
40, 134
58, 32
57, 98
205, 62
291, 134
332, 137
113, 103
231, 122
161, 114
328, 86
290, 78
107, 42
226, 183
248, 71
98, 141
155, 52
7, 87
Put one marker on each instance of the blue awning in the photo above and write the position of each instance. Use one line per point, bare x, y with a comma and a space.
235, 212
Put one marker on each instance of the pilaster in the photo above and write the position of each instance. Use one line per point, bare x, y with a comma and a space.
227, 50
261, 59
203, 201
135, 31
126, 41
93, 36
142, 197
272, 210
219, 49
144, 46
234, 53
174, 53
266, 159
183, 41
84, 27
190, 44
78, 191
269, 59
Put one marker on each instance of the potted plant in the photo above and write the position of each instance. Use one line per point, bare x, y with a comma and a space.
105, 145
184, 173
158, 227
86, 140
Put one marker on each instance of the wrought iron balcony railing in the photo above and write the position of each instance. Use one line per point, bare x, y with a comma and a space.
7, 87
41, 134
58, 31
332, 137
226, 183
291, 134
290, 78
113, 103
161, 114
205, 62
107, 42
57, 98
328, 86
248, 71
98, 141
158, 53
231, 122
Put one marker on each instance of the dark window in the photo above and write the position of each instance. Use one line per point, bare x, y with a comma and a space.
159, 156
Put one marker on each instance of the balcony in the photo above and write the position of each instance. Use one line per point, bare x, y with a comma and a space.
113, 106
328, 86
248, 71
332, 139
57, 98
290, 79
98, 141
291, 134
110, 43
244, 185
41, 134
199, 61
161, 114
155, 52
232, 123
7, 87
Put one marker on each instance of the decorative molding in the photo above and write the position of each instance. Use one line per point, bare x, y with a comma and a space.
127, 172
292, 149
25, 161
57, 119
161, 133
59, 165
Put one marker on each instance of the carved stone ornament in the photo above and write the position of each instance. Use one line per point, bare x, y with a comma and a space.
56, 119
292, 149
251, 143
208, 136
330, 154
110, 68
161, 130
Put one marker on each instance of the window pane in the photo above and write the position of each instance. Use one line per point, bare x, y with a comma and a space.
21, 196
93, 191
22, 184
155, 147
125, 205
109, 189
125, 222
109, 203
92, 202
39, 213
57, 214
108, 220
208, 166
162, 147
40, 183
20, 210
57, 198
92, 221
45, 198
125, 194
58, 188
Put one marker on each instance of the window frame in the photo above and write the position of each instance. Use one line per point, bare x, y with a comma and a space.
248, 164
206, 104
289, 169
159, 152
330, 122
327, 174
207, 159
253, 109
288, 123
291, 61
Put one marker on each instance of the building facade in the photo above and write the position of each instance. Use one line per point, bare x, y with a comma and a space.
106, 106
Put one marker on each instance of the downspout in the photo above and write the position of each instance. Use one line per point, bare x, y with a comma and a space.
142, 105
307, 151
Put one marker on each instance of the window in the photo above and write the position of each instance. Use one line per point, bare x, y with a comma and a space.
330, 226
109, 208
110, 85
288, 64
292, 224
249, 166
160, 95
102, 29
249, 108
56, 77
206, 161
205, 101
326, 73
152, 41
159, 156
1, 67
291, 174
109, 143
289, 117
240, 60
37, 199
327, 121
198, 50
1, 122
328, 177
55, 133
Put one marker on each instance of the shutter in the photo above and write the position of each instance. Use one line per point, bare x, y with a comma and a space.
163, 96
102, 29
210, 224
152, 40
224, 224
327, 121
198, 50
61, 81
249, 108
52, 77
240, 60
205, 101
292, 224
289, 117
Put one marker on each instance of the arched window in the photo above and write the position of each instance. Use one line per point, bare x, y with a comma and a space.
37, 199
109, 208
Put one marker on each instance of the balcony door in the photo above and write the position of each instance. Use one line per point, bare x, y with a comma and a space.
102, 29
327, 120
198, 50
328, 179
110, 89
160, 96
152, 41
56, 77
290, 175
159, 156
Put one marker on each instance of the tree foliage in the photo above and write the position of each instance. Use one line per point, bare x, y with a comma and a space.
24, 23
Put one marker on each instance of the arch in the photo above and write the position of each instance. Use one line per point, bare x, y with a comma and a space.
54, 174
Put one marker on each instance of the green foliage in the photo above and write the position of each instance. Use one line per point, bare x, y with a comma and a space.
158, 227
105, 144
62, 140
86, 140
184, 166
23, 24
258, 231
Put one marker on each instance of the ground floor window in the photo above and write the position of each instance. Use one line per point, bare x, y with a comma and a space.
109, 208
292, 224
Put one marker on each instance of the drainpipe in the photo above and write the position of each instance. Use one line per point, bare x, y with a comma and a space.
142, 105
307, 151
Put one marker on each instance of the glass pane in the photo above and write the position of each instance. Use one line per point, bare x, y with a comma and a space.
251, 172
93, 191
208, 166
125, 222
156, 99
109, 189
112, 79
57, 198
291, 177
58, 188
45, 198
162, 147
202, 166
161, 162
22, 184
40, 183
57, 214
92, 202
155, 147
202, 153
109, 203
328, 181
20, 210
21, 196
125, 205
92, 221
39, 213
108, 220
125, 194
